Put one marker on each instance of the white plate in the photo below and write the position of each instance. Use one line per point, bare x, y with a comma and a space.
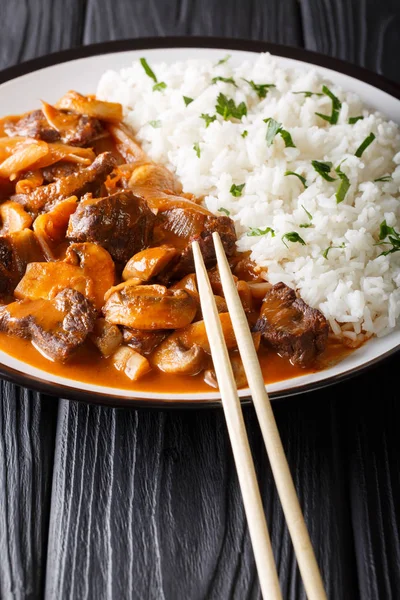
24, 91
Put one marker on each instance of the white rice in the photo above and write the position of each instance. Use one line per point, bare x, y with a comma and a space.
355, 287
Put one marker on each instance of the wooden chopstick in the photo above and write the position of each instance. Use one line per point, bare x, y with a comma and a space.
287, 493
237, 432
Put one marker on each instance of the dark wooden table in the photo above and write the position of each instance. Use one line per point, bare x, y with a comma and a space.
100, 503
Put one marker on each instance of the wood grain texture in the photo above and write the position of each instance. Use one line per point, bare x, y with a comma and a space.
365, 32
27, 428
147, 505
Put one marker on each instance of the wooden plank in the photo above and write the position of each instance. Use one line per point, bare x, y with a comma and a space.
147, 504
27, 431
30, 29
118, 19
364, 32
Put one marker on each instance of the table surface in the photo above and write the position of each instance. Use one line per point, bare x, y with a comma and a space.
104, 503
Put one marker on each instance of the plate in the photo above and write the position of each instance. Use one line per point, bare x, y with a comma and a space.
21, 89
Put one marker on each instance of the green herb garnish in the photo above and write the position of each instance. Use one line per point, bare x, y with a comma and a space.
393, 237
208, 118
150, 73
227, 108
157, 87
326, 251
187, 100
353, 120
245, 133
196, 148
302, 179
236, 190
336, 106
306, 225
384, 178
309, 94
292, 236
224, 79
261, 89
223, 60
323, 169
309, 215
224, 210
155, 124
255, 231
344, 185
368, 140
274, 127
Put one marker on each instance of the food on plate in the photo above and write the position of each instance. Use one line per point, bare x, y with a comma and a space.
101, 198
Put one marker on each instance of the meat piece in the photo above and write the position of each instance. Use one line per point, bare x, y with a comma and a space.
182, 226
106, 337
78, 183
122, 223
56, 327
150, 307
291, 327
58, 170
16, 251
52, 125
143, 341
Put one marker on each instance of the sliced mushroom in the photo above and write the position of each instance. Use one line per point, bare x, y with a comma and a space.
189, 282
13, 218
133, 364
90, 106
121, 286
106, 337
196, 334
156, 177
173, 357
149, 263
95, 263
150, 307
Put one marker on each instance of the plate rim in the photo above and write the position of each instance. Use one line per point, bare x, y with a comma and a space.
148, 43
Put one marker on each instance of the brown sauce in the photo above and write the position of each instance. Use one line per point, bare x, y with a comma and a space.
87, 366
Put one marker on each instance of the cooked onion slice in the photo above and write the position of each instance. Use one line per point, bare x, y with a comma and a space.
130, 362
84, 105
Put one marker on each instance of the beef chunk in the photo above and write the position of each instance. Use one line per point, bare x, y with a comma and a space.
56, 327
122, 223
81, 129
79, 183
58, 170
291, 327
188, 226
142, 341
33, 125
17, 249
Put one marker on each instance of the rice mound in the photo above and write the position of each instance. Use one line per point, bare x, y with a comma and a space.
354, 285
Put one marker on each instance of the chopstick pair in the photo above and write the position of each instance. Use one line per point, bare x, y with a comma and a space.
259, 535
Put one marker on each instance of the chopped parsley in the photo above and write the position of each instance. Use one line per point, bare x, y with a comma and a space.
255, 231
353, 120
227, 108
344, 185
274, 128
336, 106
208, 118
196, 148
302, 179
384, 178
224, 79
223, 60
306, 225
309, 215
155, 124
187, 100
236, 190
392, 236
224, 210
326, 251
245, 133
308, 94
323, 169
362, 147
158, 85
261, 89
292, 236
